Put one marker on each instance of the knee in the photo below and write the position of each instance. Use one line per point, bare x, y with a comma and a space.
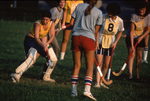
139, 57
65, 40
105, 65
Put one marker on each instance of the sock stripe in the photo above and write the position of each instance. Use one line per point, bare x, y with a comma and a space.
74, 79
88, 78
88, 84
146, 49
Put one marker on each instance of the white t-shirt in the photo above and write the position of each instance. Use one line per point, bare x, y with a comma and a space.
120, 27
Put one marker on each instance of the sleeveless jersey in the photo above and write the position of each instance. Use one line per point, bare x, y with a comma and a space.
42, 32
139, 27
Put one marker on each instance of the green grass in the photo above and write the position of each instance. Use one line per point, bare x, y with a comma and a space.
30, 88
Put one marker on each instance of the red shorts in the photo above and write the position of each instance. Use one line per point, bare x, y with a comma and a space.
82, 43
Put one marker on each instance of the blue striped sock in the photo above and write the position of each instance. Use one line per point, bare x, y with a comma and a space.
88, 82
74, 81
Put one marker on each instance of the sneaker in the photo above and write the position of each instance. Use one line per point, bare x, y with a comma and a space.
104, 86
89, 95
15, 77
96, 85
74, 94
14, 81
144, 61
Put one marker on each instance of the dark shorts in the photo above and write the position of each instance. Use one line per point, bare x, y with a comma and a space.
82, 43
141, 44
68, 28
29, 42
103, 51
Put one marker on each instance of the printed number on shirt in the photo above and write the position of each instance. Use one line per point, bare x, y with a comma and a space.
110, 27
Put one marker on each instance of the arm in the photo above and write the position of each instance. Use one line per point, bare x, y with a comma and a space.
131, 35
64, 17
117, 39
60, 24
97, 27
72, 21
146, 33
36, 35
51, 33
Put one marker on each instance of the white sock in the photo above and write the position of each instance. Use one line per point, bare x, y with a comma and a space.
145, 53
62, 54
88, 82
74, 81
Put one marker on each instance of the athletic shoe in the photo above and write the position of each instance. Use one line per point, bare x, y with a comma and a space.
74, 94
15, 77
104, 86
14, 81
144, 61
89, 95
96, 85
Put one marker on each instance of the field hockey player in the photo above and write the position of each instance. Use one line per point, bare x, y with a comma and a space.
34, 47
112, 25
86, 24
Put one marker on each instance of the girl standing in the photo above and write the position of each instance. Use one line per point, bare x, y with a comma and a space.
135, 33
69, 8
112, 24
86, 24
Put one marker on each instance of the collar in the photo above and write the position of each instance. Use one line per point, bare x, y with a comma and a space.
113, 20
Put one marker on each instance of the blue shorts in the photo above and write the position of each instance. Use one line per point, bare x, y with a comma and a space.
103, 51
68, 28
30, 42
141, 44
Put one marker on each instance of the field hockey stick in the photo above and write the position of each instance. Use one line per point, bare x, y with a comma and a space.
125, 64
109, 70
101, 75
49, 61
59, 29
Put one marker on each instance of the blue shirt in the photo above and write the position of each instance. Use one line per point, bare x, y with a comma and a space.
85, 25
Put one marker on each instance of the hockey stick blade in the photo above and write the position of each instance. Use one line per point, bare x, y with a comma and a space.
125, 64
102, 77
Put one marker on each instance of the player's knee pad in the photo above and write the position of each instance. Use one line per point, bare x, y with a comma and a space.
52, 55
30, 60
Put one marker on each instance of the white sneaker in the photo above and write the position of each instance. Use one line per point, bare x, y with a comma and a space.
104, 86
15, 77
144, 61
96, 85
74, 94
89, 95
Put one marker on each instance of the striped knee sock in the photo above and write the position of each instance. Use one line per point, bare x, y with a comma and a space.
74, 81
88, 82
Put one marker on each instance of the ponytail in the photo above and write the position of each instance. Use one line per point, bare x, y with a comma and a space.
91, 5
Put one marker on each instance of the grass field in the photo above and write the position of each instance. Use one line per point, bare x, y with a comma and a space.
30, 88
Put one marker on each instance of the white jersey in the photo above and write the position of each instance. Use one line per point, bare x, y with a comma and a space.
120, 27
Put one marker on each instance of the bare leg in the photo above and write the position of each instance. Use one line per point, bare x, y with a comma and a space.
99, 61
138, 60
66, 35
130, 63
105, 65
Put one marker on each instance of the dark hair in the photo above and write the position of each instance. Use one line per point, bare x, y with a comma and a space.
91, 5
113, 8
142, 4
46, 13
58, 1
